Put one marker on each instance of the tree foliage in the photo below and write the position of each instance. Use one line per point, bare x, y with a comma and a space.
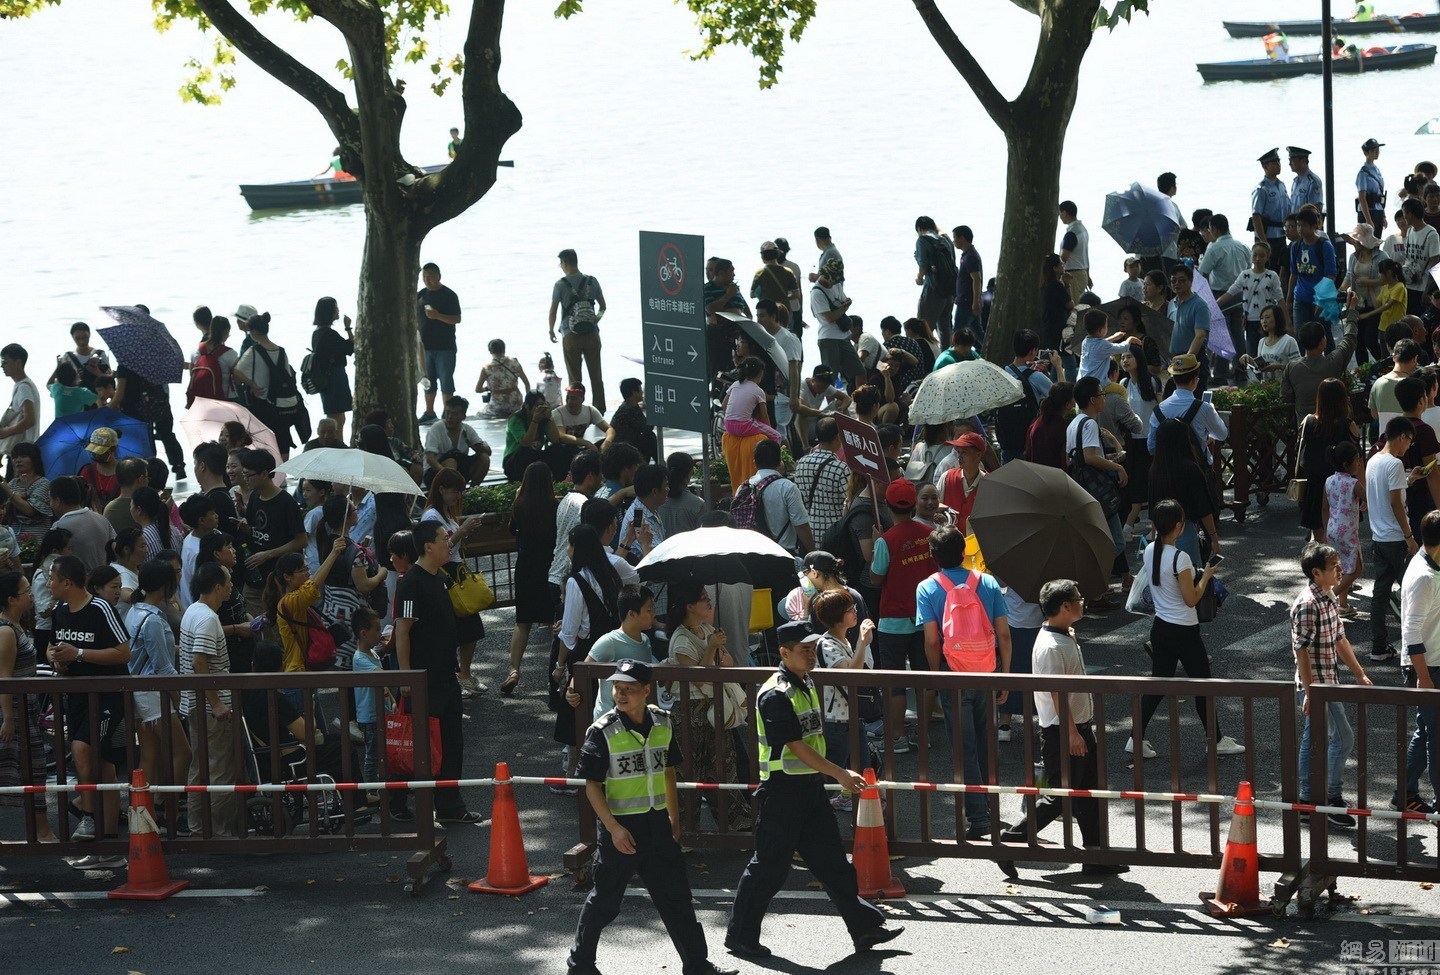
760, 26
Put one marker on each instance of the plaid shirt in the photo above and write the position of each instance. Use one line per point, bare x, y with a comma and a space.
1316, 629
822, 478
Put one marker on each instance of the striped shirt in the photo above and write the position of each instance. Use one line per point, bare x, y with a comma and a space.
201, 632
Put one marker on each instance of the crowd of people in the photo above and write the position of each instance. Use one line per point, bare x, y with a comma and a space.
1118, 397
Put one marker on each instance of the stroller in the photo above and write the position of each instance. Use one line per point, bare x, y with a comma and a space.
265, 816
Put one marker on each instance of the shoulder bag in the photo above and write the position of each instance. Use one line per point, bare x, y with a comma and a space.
1295, 490
1097, 483
469, 592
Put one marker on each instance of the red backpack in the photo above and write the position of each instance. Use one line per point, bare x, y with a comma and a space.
967, 636
205, 376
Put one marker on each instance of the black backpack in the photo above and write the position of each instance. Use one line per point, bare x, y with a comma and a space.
282, 391
1013, 422
941, 262
839, 542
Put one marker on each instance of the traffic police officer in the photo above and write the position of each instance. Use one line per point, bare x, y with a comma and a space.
794, 812
628, 761
1370, 189
1307, 187
1269, 203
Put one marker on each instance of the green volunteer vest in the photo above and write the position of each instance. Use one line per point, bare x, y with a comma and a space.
636, 781
805, 699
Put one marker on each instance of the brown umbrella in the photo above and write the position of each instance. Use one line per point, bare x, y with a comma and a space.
1035, 524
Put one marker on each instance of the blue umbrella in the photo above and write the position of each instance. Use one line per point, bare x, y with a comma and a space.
143, 344
1141, 219
62, 445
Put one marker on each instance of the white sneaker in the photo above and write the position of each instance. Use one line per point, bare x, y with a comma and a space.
1146, 750
1229, 746
1002, 733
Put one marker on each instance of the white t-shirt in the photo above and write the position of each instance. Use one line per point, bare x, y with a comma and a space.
1091, 435
25, 389
1286, 350
794, 352
578, 422
1385, 473
1057, 653
189, 553
868, 348
1169, 602
437, 439
826, 300
1420, 246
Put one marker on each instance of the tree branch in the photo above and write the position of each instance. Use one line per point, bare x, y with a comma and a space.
283, 67
974, 75
491, 118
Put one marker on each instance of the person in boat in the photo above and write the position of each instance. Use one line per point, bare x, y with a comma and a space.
336, 167
1364, 10
453, 146
1340, 48
1277, 46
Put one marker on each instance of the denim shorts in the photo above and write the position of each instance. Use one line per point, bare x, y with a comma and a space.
440, 368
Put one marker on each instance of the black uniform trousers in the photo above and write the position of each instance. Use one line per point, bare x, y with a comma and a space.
1054, 750
795, 816
658, 861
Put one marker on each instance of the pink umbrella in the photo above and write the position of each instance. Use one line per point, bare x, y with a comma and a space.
206, 419
1219, 340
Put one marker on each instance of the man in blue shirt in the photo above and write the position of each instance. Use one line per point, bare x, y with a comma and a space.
1370, 189
1269, 203
1191, 317
1312, 259
1307, 187
947, 548
1184, 405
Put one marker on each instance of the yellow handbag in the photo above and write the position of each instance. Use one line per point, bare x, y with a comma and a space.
469, 592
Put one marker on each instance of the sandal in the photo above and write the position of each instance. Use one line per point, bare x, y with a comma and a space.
511, 683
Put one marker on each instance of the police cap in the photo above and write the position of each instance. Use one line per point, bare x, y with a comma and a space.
1272, 156
795, 632
631, 672
1297, 151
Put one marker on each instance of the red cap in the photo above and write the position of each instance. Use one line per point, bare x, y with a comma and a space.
900, 495
972, 440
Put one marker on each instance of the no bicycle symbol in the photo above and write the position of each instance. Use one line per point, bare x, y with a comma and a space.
671, 269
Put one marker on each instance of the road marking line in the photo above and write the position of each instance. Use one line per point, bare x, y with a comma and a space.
14, 897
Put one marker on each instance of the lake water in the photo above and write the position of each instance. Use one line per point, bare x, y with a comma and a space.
115, 192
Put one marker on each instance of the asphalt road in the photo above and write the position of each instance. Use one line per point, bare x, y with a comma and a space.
347, 913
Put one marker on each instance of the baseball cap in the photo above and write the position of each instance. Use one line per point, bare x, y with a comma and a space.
631, 672
900, 495
972, 440
797, 632
101, 440
1369, 144
823, 372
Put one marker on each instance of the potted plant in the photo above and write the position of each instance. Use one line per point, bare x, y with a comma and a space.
492, 502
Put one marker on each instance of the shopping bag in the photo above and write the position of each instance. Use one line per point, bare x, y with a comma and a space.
400, 743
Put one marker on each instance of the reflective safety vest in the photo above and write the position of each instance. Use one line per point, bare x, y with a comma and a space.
636, 781
805, 699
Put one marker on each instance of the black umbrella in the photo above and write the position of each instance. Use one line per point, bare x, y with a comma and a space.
1152, 324
758, 336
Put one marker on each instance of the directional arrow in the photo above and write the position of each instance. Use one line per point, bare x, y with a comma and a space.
862, 459
694, 404
693, 354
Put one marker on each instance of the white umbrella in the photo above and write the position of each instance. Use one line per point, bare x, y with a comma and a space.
353, 468
716, 555
963, 389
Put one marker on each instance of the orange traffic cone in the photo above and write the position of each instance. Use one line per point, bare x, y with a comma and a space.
872, 849
509, 873
1238, 889
148, 878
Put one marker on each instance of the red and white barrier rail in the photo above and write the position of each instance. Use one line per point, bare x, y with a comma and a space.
952, 787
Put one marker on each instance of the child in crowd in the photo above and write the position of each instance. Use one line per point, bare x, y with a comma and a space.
1133, 287
1317, 637
369, 708
550, 383
745, 410
67, 393
1096, 349
1340, 512
104, 393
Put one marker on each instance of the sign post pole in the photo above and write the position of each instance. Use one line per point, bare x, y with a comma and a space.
677, 368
